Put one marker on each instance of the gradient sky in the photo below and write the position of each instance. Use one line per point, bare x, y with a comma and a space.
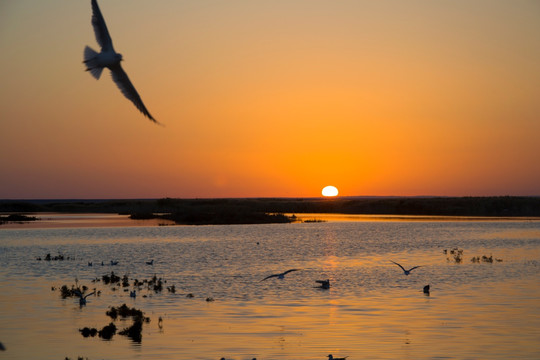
272, 98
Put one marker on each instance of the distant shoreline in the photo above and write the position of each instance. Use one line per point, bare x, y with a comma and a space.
264, 210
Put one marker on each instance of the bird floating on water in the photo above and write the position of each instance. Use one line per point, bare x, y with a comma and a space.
151, 262
426, 289
406, 272
113, 262
133, 293
108, 58
330, 357
325, 284
82, 298
280, 275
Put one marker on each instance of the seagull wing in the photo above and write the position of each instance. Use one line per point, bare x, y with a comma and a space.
402, 268
271, 276
416, 267
100, 28
92, 293
126, 87
288, 271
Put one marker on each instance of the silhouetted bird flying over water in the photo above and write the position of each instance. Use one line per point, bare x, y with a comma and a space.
108, 58
280, 275
406, 272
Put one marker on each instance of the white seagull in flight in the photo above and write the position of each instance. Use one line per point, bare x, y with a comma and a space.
280, 275
407, 272
95, 62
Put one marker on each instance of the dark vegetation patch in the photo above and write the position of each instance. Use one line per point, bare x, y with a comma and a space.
75, 290
86, 332
225, 216
456, 255
124, 311
107, 332
16, 218
134, 331
153, 284
59, 257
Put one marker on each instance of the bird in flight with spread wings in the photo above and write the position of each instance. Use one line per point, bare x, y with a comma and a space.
82, 298
406, 272
108, 58
280, 275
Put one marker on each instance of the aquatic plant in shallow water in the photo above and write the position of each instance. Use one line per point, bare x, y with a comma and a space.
107, 332
123, 311
59, 257
134, 331
86, 332
484, 258
110, 279
457, 255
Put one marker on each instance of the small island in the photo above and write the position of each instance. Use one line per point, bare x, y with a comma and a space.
16, 218
217, 217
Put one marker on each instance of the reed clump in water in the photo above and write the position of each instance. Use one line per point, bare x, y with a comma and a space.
75, 290
86, 332
59, 257
134, 331
485, 259
107, 332
110, 279
153, 284
124, 311
457, 255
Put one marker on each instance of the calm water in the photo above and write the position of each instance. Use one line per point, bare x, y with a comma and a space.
372, 311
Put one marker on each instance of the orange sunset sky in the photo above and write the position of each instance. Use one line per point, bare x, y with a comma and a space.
272, 99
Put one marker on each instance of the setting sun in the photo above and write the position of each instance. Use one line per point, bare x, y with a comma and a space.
329, 191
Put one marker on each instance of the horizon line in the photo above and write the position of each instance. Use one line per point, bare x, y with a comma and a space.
266, 197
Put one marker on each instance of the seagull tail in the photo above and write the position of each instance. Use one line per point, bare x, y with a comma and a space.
91, 62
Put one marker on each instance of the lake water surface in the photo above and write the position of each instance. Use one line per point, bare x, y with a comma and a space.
476, 310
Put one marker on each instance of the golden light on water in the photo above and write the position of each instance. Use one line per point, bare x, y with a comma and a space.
329, 191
